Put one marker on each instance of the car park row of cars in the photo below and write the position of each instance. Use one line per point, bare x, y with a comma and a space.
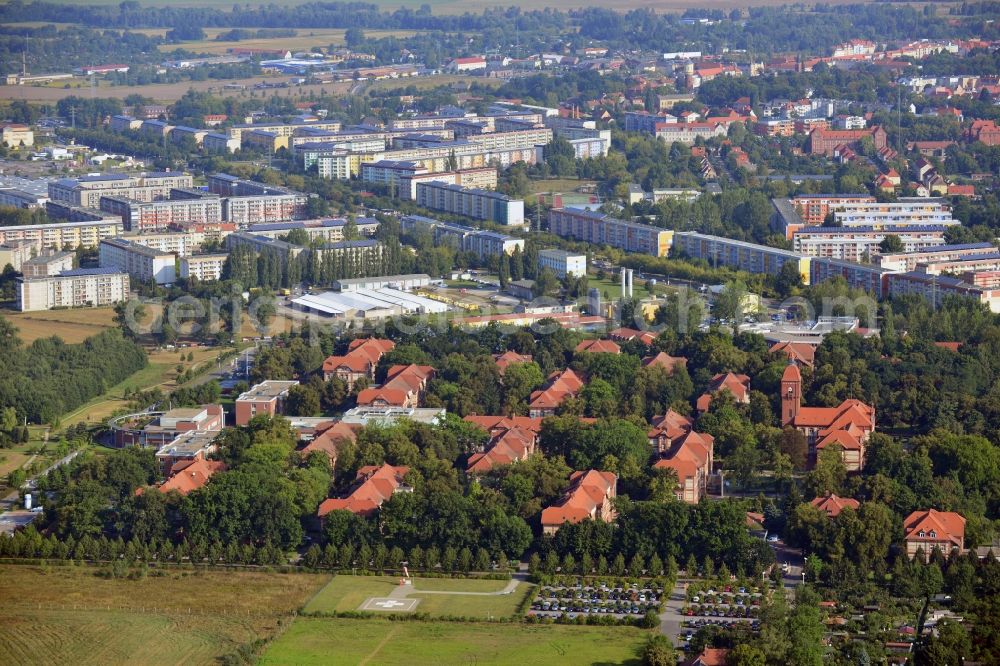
620, 601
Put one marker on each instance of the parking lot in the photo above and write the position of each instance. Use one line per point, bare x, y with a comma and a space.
615, 601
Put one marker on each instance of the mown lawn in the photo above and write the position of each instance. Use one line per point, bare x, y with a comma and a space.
341, 641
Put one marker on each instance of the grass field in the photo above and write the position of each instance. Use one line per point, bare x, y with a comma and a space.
11, 459
168, 92
612, 285
336, 641
71, 325
347, 593
559, 185
303, 41
69, 615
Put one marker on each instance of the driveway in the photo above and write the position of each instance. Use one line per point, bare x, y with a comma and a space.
671, 618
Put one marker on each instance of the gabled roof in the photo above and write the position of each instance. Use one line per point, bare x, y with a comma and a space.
189, 475
389, 396
510, 357
329, 439
947, 525
801, 353
561, 386
833, 505
671, 424
362, 355
840, 417
586, 493
842, 438
411, 378
506, 447
711, 657
737, 385
377, 485
665, 361
599, 347
492, 423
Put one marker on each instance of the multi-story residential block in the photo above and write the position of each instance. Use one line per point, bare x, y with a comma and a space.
74, 288
585, 148
388, 173
15, 198
467, 239
282, 129
15, 253
330, 231
905, 212
124, 123
159, 215
217, 142
45, 265
474, 203
485, 178
862, 243
204, 267
907, 261
142, 263
871, 278
815, 207
935, 288
266, 398
59, 235
523, 138
746, 256
602, 229
88, 190
248, 210
563, 263
183, 133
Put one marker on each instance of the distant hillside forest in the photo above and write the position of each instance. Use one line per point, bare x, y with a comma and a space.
48, 378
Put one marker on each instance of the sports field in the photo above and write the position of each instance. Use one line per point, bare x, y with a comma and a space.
348, 593
69, 615
341, 641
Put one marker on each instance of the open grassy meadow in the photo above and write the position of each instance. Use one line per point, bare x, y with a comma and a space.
341, 641
72, 326
69, 615
348, 593
303, 41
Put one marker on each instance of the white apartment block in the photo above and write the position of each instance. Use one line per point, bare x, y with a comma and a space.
897, 213
61, 235
602, 229
70, 289
541, 136
248, 210
482, 243
159, 215
861, 243
478, 204
141, 262
484, 179
88, 190
181, 243
563, 263
204, 267
216, 142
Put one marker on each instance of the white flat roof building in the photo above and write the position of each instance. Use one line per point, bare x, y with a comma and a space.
563, 263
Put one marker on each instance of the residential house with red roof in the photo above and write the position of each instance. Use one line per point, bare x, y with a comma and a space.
189, 475
625, 334
802, 354
691, 457
509, 443
404, 386
589, 497
561, 385
509, 358
737, 385
832, 505
376, 485
710, 657
926, 530
665, 361
359, 362
598, 347
846, 427
329, 437
668, 428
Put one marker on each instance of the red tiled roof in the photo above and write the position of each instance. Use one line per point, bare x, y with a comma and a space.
561, 386
799, 352
586, 494
833, 504
190, 475
329, 439
948, 525
665, 361
737, 385
508, 358
599, 347
378, 485
389, 396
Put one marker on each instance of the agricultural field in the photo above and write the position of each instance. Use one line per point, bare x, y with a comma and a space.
169, 92
303, 41
72, 326
70, 615
348, 593
340, 641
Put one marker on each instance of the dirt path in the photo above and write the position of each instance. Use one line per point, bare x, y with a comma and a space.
378, 648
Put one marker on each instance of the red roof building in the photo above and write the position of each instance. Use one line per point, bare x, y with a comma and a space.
832, 505
561, 385
926, 530
404, 387
668, 428
691, 457
589, 497
824, 141
802, 354
846, 427
377, 484
629, 334
710, 657
508, 358
359, 362
737, 385
665, 361
329, 437
189, 475
598, 347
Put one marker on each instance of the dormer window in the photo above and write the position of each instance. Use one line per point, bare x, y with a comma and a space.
933, 534
922, 534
